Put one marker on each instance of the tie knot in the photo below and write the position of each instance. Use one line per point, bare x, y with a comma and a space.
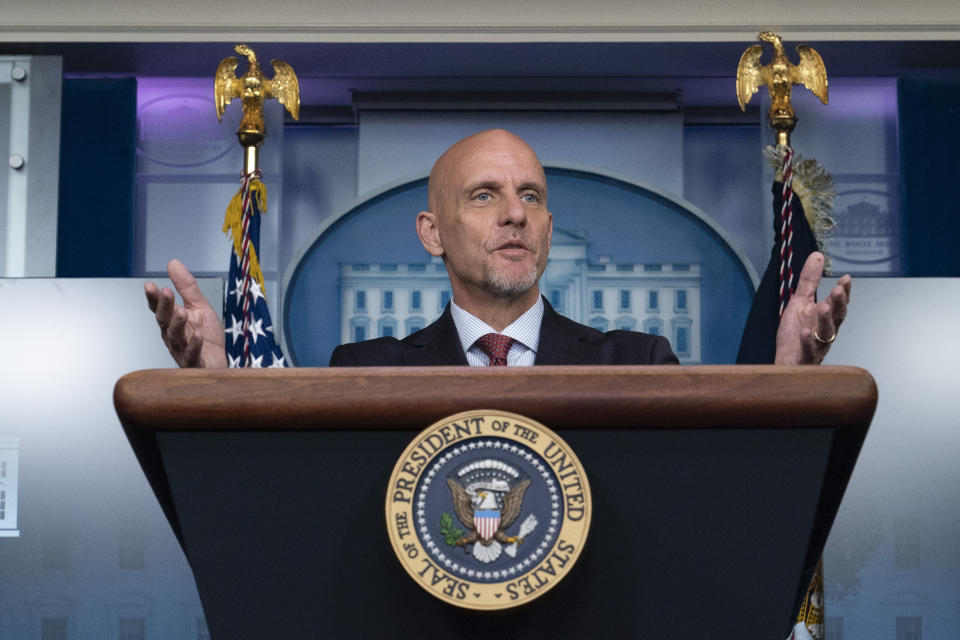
496, 346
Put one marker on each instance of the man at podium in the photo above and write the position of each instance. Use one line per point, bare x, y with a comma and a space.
488, 220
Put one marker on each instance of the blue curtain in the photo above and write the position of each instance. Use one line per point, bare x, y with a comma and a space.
930, 170
97, 178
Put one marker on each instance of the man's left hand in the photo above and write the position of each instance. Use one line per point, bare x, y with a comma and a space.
807, 328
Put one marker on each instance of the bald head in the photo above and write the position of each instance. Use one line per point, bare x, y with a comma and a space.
450, 169
488, 220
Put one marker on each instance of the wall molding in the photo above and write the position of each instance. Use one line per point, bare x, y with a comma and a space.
199, 31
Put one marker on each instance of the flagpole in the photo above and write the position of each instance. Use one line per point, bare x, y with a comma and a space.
251, 150
795, 239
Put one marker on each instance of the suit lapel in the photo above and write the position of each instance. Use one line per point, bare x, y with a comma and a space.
437, 345
562, 341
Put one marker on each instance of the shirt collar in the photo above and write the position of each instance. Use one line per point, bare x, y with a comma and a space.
525, 329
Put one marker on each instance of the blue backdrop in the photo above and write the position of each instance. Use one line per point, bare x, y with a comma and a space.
630, 223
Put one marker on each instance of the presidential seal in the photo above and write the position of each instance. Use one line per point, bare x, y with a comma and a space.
488, 510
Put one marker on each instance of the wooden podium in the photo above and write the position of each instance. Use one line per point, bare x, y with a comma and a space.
714, 490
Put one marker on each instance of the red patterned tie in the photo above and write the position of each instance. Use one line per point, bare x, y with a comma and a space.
496, 346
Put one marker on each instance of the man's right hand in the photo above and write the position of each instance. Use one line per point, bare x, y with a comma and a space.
192, 332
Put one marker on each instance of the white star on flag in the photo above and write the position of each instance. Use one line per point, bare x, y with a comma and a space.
238, 290
235, 330
255, 290
256, 329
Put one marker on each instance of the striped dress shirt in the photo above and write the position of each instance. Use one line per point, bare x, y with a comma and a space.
525, 332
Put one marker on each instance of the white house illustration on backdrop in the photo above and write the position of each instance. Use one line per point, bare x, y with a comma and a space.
389, 299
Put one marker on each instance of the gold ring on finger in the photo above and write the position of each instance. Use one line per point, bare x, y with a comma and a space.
816, 336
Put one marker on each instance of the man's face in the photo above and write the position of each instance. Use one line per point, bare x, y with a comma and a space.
489, 205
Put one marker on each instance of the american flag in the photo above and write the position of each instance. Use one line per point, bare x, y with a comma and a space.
250, 340
794, 241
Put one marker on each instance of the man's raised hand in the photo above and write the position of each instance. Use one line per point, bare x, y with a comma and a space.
192, 332
807, 328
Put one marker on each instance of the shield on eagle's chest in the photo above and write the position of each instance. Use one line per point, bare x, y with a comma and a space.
487, 521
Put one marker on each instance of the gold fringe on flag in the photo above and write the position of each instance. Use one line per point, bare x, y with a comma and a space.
233, 226
811, 611
814, 186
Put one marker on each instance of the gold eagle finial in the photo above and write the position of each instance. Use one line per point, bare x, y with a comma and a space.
779, 76
254, 89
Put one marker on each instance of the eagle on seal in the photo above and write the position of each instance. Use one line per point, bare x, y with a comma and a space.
481, 513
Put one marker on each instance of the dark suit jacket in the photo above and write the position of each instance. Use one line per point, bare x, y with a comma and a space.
562, 341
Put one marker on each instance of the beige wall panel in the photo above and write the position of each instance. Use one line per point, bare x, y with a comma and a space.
462, 21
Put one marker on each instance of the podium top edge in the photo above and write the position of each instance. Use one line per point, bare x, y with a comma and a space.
724, 396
